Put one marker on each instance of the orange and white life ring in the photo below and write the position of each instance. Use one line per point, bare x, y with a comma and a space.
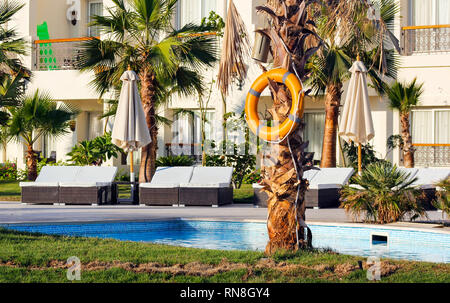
280, 132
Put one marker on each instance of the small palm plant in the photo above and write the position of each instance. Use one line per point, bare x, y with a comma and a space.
443, 198
94, 152
38, 116
403, 97
384, 194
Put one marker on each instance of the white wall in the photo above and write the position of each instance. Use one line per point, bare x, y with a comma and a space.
64, 84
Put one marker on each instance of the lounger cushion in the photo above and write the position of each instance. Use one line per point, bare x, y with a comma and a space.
356, 186
310, 174
58, 174
215, 176
411, 171
167, 177
166, 185
209, 185
95, 174
428, 177
331, 178
38, 184
85, 184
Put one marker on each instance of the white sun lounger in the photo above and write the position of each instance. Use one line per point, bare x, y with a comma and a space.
92, 185
324, 187
163, 190
427, 179
45, 190
208, 186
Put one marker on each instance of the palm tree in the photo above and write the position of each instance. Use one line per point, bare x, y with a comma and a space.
4, 140
12, 72
403, 97
141, 35
11, 46
293, 40
38, 116
330, 67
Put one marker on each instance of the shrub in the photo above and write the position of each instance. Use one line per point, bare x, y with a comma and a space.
122, 176
243, 164
443, 198
94, 152
368, 155
253, 177
174, 161
385, 195
8, 171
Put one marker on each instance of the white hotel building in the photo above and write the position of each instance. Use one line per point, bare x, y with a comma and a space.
423, 28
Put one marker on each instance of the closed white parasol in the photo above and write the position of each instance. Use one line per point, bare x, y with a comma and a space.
356, 119
130, 130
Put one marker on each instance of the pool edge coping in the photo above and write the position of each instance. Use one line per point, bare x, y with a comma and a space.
320, 223
338, 224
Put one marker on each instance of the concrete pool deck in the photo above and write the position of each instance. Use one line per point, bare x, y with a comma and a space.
15, 212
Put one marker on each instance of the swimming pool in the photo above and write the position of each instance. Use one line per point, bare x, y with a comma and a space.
352, 240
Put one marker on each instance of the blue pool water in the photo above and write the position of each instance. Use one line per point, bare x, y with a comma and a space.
401, 244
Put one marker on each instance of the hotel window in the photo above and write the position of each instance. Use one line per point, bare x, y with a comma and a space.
95, 8
429, 12
94, 127
48, 147
314, 129
187, 130
430, 126
182, 132
193, 11
209, 129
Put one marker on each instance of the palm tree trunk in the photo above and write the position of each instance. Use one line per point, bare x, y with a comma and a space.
332, 103
148, 155
4, 153
286, 207
284, 214
408, 148
31, 163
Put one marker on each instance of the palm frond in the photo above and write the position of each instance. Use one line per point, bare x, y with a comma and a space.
8, 9
235, 50
404, 96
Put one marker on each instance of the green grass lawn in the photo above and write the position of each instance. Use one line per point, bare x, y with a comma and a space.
243, 194
10, 191
28, 257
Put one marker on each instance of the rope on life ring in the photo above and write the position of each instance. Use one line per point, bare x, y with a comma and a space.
281, 131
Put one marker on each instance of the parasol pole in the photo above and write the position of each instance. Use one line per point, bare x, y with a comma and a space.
132, 177
359, 159
131, 166
131, 154
358, 58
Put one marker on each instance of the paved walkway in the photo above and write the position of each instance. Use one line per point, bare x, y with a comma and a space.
13, 212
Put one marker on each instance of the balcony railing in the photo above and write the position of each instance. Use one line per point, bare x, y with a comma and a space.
426, 39
58, 54
432, 155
